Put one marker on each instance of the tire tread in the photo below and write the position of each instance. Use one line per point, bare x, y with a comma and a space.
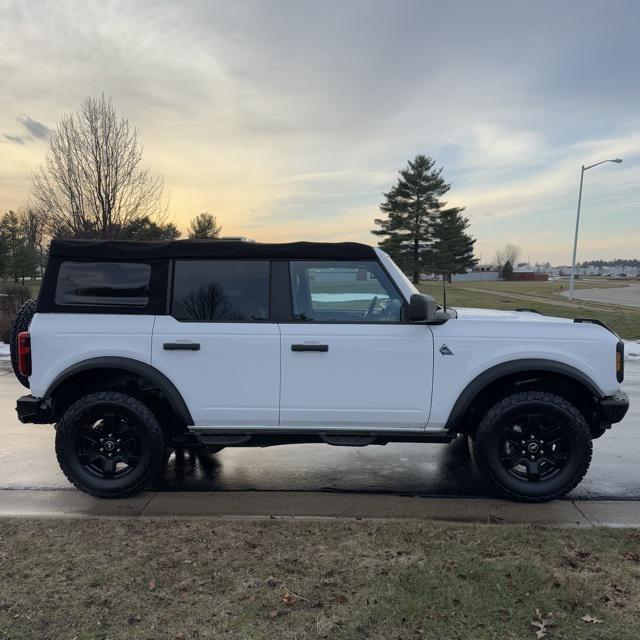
582, 437
155, 434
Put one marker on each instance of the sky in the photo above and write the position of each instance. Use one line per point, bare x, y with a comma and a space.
288, 120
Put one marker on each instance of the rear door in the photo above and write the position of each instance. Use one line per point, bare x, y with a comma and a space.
218, 345
349, 360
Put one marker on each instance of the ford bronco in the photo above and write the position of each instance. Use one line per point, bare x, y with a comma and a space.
133, 349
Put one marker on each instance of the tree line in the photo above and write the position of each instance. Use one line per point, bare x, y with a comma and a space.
616, 262
24, 238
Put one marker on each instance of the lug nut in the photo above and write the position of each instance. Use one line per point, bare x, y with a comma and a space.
101, 450
118, 450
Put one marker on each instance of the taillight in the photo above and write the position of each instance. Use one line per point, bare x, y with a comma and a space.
620, 361
24, 353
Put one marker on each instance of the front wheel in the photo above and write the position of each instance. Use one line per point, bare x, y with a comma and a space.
533, 445
110, 445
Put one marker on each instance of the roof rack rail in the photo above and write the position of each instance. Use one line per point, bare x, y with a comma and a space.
524, 309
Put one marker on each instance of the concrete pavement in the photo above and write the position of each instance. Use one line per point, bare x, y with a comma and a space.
322, 481
276, 504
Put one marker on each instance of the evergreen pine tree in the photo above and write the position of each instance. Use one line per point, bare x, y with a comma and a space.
24, 262
4, 256
411, 206
452, 247
507, 271
203, 226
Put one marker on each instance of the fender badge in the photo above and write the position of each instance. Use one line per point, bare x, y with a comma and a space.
445, 351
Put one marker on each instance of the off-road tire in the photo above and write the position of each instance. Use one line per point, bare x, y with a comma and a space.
149, 470
484, 446
20, 323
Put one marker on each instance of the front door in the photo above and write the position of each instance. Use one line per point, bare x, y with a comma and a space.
218, 346
348, 359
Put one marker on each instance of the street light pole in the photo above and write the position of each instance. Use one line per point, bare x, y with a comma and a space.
575, 238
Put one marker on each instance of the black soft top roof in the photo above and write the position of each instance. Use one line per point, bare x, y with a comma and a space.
130, 250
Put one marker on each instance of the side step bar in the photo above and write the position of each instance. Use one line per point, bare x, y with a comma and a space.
261, 439
347, 441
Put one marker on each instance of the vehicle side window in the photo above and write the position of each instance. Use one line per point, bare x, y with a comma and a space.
114, 284
221, 290
343, 291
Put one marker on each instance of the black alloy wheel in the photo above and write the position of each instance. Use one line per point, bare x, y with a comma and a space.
110, 444
533, 446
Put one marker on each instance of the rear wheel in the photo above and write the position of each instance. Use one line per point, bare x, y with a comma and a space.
20, 323
110, 445
534, 446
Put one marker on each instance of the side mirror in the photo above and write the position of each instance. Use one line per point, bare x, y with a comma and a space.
422, 308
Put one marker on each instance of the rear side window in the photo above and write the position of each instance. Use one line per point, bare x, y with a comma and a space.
221, 290
113, 284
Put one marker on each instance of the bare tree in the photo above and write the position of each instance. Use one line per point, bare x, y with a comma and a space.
92, 184
207, 302
511, 253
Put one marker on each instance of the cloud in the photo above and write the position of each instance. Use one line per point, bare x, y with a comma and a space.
15, 139
38, 130
290, 119
35, 131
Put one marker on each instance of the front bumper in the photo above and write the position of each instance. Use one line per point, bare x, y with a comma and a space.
613, 408
34, 410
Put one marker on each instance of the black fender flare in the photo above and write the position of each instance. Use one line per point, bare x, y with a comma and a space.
137, 367
480, 382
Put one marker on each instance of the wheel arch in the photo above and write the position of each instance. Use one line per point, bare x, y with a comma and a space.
521, 374
114, 366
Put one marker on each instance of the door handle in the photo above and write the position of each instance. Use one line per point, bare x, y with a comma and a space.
310, 347
181, 346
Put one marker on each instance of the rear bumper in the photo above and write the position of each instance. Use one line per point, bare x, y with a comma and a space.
614, 408
34, 410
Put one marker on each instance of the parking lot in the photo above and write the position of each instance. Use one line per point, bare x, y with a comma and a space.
626, 295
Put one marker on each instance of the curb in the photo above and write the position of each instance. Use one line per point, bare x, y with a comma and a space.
276, 504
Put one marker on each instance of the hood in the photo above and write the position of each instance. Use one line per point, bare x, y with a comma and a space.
465, 313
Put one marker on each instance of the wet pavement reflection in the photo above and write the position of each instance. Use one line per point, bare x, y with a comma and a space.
438, 469
27, 461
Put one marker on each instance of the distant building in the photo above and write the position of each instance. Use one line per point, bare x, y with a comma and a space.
528, 272
480, 273
520, 274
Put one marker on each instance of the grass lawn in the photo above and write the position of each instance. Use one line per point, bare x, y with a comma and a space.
541, 296
280, 578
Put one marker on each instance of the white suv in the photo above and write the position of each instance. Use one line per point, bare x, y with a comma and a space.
137, 348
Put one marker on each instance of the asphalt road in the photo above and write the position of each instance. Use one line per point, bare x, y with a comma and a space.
627, 294
27, 461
